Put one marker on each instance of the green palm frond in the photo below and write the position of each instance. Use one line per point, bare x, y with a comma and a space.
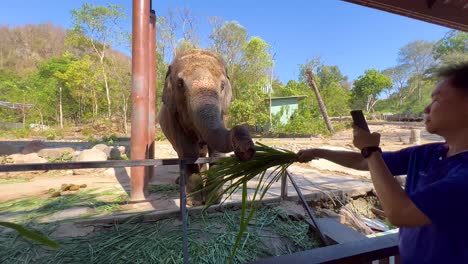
231, 174
34, 235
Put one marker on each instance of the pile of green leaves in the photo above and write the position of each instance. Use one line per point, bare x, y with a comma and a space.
211, 237
268, 164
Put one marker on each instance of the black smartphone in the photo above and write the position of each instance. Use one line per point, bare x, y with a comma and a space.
359, 119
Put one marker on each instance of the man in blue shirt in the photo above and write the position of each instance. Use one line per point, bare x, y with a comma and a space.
432, 210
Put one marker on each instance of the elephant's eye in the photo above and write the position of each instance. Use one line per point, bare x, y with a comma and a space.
180, 84
223, 83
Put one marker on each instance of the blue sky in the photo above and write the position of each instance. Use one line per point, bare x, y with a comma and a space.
355, 38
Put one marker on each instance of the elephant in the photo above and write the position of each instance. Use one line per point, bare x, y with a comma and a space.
195, 99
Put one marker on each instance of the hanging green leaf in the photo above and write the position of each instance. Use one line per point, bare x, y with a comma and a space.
31, 234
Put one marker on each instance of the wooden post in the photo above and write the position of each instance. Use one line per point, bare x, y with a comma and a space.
284, 186
323, 109
415, 137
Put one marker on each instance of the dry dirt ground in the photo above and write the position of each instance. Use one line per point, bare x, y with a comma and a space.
38, 184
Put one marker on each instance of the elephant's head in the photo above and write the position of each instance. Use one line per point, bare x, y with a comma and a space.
198, 92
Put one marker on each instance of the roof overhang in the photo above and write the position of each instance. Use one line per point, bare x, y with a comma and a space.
448, 13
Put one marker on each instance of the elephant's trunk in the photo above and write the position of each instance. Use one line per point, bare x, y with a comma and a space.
209, 123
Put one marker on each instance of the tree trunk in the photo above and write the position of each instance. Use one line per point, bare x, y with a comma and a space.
415, 136
42, 119
124, 109
95, 104
24, 117
419, 91
104, 75
60, 107
323, 109
24, 111
371, 101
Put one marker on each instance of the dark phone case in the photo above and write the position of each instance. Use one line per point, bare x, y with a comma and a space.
359, 119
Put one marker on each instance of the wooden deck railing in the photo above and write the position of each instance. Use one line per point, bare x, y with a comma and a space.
383, 249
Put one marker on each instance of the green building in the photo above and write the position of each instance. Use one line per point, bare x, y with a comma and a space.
288, 105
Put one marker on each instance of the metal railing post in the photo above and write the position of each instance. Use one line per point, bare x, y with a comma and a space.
183, 210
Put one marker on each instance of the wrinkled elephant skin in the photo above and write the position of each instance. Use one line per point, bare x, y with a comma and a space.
196, 96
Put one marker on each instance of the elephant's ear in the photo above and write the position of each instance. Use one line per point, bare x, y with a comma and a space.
167, 91
226, 96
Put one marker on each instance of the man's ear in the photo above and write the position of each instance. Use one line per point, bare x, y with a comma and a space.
167, 97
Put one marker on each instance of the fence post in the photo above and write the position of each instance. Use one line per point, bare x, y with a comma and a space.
284, 186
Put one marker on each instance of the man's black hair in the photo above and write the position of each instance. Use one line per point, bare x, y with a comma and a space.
458, 75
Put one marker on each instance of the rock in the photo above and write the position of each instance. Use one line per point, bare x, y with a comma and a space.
26, 158
65, 187
74, 187
114, 154
100, 146
90, 155
118, 172
33, 146
9, 148
104, 148
55, 194
121, 149
54, 153
6, 159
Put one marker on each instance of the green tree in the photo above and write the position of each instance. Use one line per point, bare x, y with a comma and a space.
228, 40
399, 75
453, 41
257, 62
418, 56
122, 80
251, 105
367, 88
52, 81
97, 27
333, 89
292, 88
453, 48
80, 77
10, 92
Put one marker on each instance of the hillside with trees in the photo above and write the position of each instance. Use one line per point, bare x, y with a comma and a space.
81, 75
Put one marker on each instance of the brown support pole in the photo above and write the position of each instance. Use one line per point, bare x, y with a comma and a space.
151, 90
139, 132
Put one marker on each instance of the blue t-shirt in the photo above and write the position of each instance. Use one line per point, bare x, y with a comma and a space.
438, 186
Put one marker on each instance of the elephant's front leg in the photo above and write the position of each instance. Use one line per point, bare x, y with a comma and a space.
193, 179
215, 192
193, 183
